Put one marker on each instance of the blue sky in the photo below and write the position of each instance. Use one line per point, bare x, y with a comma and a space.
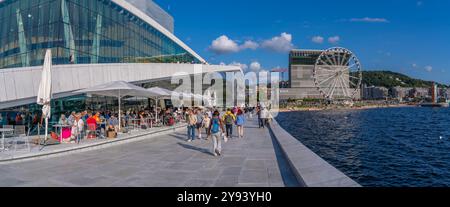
407, 36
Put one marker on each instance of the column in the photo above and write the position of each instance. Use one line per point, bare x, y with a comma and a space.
68, 34
22, 40
96, 41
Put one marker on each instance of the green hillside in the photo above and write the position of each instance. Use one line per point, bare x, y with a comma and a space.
391, 79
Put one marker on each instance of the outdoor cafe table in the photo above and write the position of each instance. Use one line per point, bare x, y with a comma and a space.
135, 123
61, 127
149, 120
3, 130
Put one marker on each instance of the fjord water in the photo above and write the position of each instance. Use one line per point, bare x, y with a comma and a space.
388, 147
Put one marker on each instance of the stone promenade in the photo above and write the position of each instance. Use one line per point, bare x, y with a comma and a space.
162, 161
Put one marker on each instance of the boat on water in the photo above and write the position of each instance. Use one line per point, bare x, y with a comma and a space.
435, 105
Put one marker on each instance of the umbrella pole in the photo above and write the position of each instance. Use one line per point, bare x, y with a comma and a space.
120, 114
156, 112
46, 129
45, 137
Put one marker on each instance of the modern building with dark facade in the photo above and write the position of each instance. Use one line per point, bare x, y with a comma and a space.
92, 42
301, 75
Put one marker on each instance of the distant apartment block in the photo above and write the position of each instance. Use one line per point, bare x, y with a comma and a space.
375, 93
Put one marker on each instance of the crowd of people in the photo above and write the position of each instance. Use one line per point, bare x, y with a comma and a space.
100, 124
215, 124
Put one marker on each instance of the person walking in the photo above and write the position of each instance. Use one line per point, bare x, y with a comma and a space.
191, 121
215, 129
229, 120
260, 121
264, 117
240, 121
199, 124
206, 124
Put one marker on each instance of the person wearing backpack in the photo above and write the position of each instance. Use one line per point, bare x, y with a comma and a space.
240, 121
215, 130
229, 120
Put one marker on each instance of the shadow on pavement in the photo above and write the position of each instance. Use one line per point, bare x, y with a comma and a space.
202, 150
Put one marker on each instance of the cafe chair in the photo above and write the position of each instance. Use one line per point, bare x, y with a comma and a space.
20, 137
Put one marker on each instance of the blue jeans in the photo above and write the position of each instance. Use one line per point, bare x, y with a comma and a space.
229, 129
191, 132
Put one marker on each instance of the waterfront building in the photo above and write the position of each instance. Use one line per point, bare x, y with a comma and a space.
375, 93
301, 76
444, 94
420, 93
301, 70
400, 93
92, 42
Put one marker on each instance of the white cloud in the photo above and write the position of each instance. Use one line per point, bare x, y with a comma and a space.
282, 43
317, 39
242, 66
414, 65
334, 40
249, 45
370, 20
224, 45
255, 66
429, 68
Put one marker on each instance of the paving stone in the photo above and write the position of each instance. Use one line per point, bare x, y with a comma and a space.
254, 165
162, 161
253, 176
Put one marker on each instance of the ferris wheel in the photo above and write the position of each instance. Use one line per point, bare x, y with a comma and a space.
337, 74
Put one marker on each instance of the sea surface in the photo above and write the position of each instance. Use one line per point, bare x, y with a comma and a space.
388, 147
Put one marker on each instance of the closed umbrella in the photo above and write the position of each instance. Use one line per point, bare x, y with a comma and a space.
118, 89
45, 89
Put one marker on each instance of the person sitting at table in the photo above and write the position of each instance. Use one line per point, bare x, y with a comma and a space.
92, 126
142, 120
71, 118
97, 118
108, 115
84, 115
63, 120
113, 123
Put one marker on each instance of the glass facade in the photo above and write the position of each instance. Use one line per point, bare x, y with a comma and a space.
80, 32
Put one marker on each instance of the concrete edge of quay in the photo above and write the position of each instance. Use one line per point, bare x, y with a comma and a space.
308, 167
89, 147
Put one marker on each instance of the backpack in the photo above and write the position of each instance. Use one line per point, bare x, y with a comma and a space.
229, 119
171, 121
215, 128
